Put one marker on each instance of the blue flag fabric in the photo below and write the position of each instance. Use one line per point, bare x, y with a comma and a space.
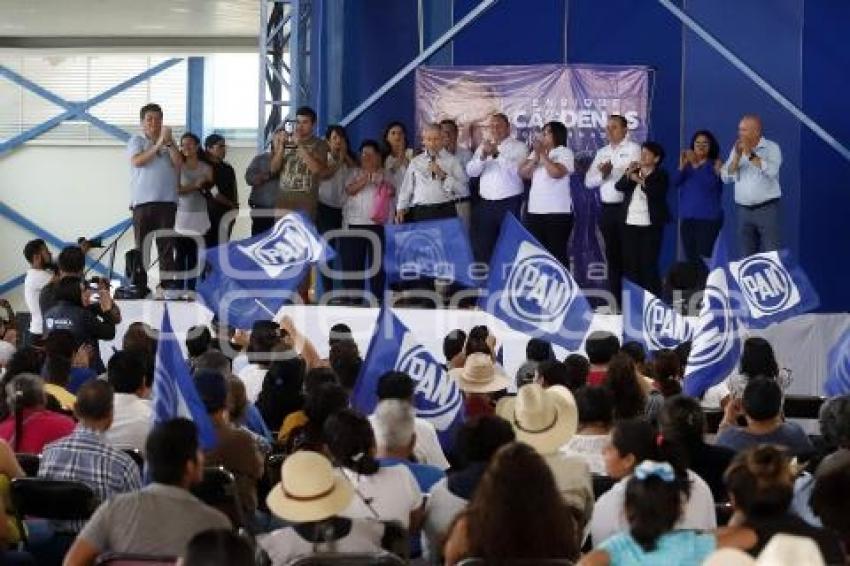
532, 292
432, 248
773, 286
251, 279
174, 394
716, 346
394, 347
838, 378
651, 322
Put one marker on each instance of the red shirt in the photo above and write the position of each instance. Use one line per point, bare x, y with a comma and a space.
40, 428
477, 405
597, 377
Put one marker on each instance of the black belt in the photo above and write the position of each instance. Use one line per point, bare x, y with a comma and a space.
760, 205
611, 204
463, 199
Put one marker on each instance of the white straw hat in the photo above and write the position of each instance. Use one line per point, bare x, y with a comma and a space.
544, 418
480, 375
309, 490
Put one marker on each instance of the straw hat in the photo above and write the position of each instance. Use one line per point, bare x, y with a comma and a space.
309, 490
543, 418
480, 375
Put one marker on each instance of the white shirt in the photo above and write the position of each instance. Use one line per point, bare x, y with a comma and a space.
609, 515
463, 155
755, 184
284, 545
392, 492
357, 209
332, 190
572, 478
420, 186
500, 176
588, 447
34, 282
253, 377
131, 422
240, 362
549, 195
427, 447
443, 506
638, 213
620, 157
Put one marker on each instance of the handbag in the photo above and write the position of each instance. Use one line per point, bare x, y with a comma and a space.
381, 203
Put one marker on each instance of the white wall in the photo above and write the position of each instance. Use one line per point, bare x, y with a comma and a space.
74, 191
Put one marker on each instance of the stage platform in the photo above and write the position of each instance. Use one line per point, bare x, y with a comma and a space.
801, 343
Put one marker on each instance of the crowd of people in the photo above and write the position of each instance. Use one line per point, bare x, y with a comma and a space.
352, 195
596, 459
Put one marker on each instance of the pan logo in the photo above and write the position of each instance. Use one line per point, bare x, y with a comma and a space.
289, 243
421, 252
539, 291
717, 330
437, 397
662, 327
766, 284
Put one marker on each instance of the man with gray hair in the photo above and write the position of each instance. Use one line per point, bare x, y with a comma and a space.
753, 166
433, 181
394, 423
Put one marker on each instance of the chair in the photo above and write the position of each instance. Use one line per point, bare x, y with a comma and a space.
122, 559
352, 559
137, 457
60, 500
802, 406
29, 463
601, 484
218, 490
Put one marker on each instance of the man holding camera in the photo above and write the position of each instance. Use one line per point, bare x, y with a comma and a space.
263, 175
155, 163
304, 159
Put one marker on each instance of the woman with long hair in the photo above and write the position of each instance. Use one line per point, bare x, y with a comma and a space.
396, 151
516, 513
192, 214
630, 400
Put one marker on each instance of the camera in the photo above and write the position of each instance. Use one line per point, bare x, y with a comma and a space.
87, 243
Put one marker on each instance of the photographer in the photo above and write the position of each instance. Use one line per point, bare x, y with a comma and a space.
38, 276
89, 314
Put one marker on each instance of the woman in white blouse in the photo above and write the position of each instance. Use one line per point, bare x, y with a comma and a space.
549, 214
396, 151
192, 216
359, 252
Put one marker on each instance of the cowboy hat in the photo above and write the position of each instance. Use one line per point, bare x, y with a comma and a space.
543, 418
309, 490
480, 375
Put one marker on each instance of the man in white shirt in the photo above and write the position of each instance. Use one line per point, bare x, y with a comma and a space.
463, 154
608, 166
496, 162
131, 421
432, 182
753, 166
38, 256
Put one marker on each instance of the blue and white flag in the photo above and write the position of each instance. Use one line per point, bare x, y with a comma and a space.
394, 347
716, 346
251, 279
437, 249
174, 393
838, 366
651, 322
532, 292
774, 288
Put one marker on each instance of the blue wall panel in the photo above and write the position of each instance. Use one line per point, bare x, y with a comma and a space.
825, 203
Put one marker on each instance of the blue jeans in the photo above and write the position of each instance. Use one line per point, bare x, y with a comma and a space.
758, 228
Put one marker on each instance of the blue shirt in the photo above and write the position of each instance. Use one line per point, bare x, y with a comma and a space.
755, 184
789, 434
671, 549
156, 180
255, 423
78, 377
426, 476
700, 189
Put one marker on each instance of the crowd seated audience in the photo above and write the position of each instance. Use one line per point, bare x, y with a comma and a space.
133, 415
600, 346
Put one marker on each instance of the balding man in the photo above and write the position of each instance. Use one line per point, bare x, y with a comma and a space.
433, 181
753, 166
496, 161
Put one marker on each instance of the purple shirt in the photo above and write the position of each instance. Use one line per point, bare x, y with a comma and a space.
699, 192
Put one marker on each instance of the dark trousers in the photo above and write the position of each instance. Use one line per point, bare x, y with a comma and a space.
553, 232
328, 218
260, 224
213, 237
423, 212
359, 254
641, 248
611, 226
187, 260
698, 237
148, 218
487, 216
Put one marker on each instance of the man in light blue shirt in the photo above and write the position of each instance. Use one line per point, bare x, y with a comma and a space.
753, 166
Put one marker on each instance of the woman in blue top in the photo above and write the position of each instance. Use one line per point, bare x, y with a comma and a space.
653, 506
700, 189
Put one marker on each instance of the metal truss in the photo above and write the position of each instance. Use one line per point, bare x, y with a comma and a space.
284, 70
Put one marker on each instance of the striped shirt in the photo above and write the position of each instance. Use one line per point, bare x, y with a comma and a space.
85, 456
